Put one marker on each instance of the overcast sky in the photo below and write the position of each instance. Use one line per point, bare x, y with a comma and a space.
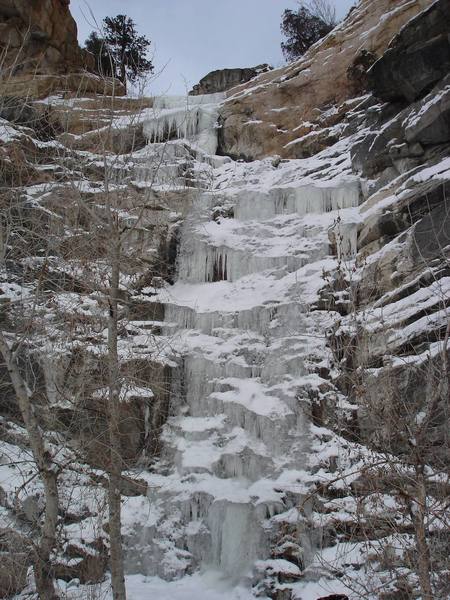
192, 37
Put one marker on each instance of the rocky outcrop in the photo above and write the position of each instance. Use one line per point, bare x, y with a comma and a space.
417, 58
282, 110
40, 52
407, 138
413, 71
225, 79
39, 37
401, 288
75, 84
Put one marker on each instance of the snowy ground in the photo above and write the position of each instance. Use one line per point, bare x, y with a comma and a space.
201, 586
207, 586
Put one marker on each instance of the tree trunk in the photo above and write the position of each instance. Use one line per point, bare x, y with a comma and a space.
123, 59
419, 520
123, 74
42, 570
42, 457
115, 468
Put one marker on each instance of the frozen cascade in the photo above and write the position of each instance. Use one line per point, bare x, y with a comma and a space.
302, 200
240, 522
237, 441
190, 118
206, 263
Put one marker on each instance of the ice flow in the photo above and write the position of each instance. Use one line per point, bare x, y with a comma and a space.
236, 446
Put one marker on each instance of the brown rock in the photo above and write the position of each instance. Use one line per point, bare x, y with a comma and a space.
225, 79
38, 42
47, 34
90, 565
116, 140
285, 100
41, 86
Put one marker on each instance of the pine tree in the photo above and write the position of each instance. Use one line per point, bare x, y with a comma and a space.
120, 52
103, 59
128, 49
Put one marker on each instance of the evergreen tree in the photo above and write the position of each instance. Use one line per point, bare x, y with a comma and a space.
304, 27
121, 52
103, 59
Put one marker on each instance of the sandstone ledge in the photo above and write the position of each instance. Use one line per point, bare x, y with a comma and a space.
74, 84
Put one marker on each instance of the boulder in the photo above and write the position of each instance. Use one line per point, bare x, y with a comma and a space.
88, 563
225, 79
417, 58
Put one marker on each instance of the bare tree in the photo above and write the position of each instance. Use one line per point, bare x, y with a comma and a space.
113, 224
404, 432
91, 248
323, 9
47, 471
12, 228
114, 383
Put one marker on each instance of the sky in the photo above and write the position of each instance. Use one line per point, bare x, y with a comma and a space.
190, 38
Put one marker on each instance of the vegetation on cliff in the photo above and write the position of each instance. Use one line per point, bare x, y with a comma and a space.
120, 51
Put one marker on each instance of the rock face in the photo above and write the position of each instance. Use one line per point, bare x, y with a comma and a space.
417, 57
43, 33
38, 39
282, 111
225, 79
403, 242
408, 138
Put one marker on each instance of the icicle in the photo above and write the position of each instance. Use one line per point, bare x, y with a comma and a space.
189, 118
300, 200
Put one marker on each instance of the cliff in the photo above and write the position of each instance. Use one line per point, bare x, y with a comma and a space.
40, 52
284, 336
292, 111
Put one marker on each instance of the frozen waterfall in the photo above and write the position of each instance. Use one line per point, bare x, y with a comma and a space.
250, 263
193, 118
